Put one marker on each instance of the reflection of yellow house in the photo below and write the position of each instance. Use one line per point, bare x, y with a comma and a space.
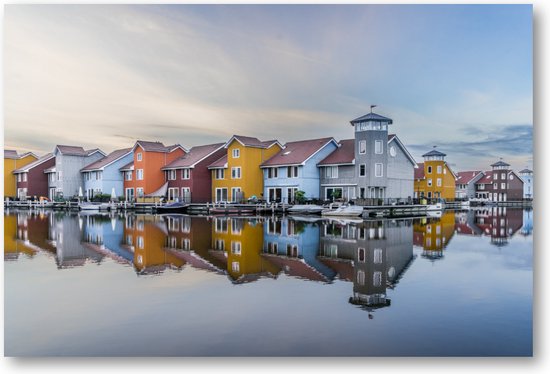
434, 234
242, 242
434, 178
12, 161
15, 238
237, 176
146, 237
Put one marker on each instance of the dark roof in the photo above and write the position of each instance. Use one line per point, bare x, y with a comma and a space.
128, 166
249, 141
10, 153
487, 179
111, 157
220, 163
344, 154
195, 155
72, 150
500, 163
465, 177
35, 163
419, 172
434, 152
372, 117
526, 171
156, 146
297, 152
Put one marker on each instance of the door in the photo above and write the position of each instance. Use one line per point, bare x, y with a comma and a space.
129, 194
173, 194
236, 194
186, 194
52, 193
275, 194
221, 194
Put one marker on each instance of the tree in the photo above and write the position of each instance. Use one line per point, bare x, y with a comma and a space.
300, 197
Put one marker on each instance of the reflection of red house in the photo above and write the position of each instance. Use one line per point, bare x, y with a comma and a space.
500, 223
343, 268
189, 178
296, 267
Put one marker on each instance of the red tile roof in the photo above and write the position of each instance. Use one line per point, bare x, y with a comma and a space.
465, 177
297, 152
345, 154
111, 157
419, 172
220, 163
195, 155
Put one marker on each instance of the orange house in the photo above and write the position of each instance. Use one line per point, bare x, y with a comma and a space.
143, 177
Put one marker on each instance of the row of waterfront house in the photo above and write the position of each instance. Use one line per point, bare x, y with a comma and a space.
371, 167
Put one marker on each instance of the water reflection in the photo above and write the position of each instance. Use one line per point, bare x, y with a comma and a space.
373, 255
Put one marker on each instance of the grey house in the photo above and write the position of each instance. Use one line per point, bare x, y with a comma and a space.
372, 165
466, 183
65, 179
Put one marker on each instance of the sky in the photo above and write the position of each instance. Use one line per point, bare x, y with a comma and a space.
456, 76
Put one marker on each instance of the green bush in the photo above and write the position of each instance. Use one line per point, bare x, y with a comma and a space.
300, 197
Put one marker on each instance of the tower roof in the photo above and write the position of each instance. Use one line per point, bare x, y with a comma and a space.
372, 117
434, 152
500, 163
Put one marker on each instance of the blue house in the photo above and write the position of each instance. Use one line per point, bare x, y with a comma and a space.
103, 176
294, 168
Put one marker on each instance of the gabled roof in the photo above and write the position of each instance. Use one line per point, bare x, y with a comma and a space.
372, 117
128, 167
71, 150
195, 155
107, 160
465, 177
12, 154
343, 155
500, 163
297, 153
487, 179
525, 171
393, 137
434, 152
157, 147
248, 141
220, 163
34, 164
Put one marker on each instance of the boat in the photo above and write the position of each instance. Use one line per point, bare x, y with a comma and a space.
344, 211
305, 209
177, 207
93, 206
437, 206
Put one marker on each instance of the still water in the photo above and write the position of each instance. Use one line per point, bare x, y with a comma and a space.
129, 285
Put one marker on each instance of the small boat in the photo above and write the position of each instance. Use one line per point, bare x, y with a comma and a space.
437, 206
177, 207
345, 211
89, 206
305, 209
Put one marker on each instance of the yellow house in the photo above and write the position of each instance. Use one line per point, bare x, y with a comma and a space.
13, 161
434, 178
237, 176
242, 241
433, 235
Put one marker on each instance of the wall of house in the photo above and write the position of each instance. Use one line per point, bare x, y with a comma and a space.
515, 188
370, 158
400, 174
111, 178
346, 178
448, 186
527, 186
70, 166
37, 180
10, 180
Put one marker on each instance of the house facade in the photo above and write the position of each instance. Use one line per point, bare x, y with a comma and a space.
294, 168
31, 179
337, 173
507, 185
104, 177
143, 176
465, 183
526, 176
434, 178
237, 175
189, 179
64, 178
14, 161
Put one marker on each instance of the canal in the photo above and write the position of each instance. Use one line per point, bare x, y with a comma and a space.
150, 285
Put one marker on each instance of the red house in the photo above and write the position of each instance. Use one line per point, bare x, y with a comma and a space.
188, 177
31, 178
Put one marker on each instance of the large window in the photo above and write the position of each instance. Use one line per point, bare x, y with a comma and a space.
185, 173
378, 170
378, 147
236, 153
219, 173
331, 172
235, 194
439, 169
128, 175
292, 172
139, 191
236, 172
171, 175
221, 194
272, 172
138, 156
362, 146
139, 174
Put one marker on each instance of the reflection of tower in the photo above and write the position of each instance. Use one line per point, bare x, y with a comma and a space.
504, 223
500, 180
433, 235
527, 227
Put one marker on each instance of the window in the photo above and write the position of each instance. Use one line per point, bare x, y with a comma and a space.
236, 248
272, 172
378, 171
362, 146
128, 175
378, 147
331, 172
139, 191
361, 277
140, 242
59, 175
438, 182
429, 194
377, 279
377, 256
393, 152
495, 186
361, 254
445, 171
236, 172
495, 176
429, 169
236, 153
221, 194
186, 194
503, 176
139, 174
292, 172
235, 194
19, 177
362, 170
138, 156
438, 169
429, 182
186, 244
503, 185
24, 177
221, 225
362, 192
235, 266
171, 175
511, 176
219, 173
185, 174
220, 244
